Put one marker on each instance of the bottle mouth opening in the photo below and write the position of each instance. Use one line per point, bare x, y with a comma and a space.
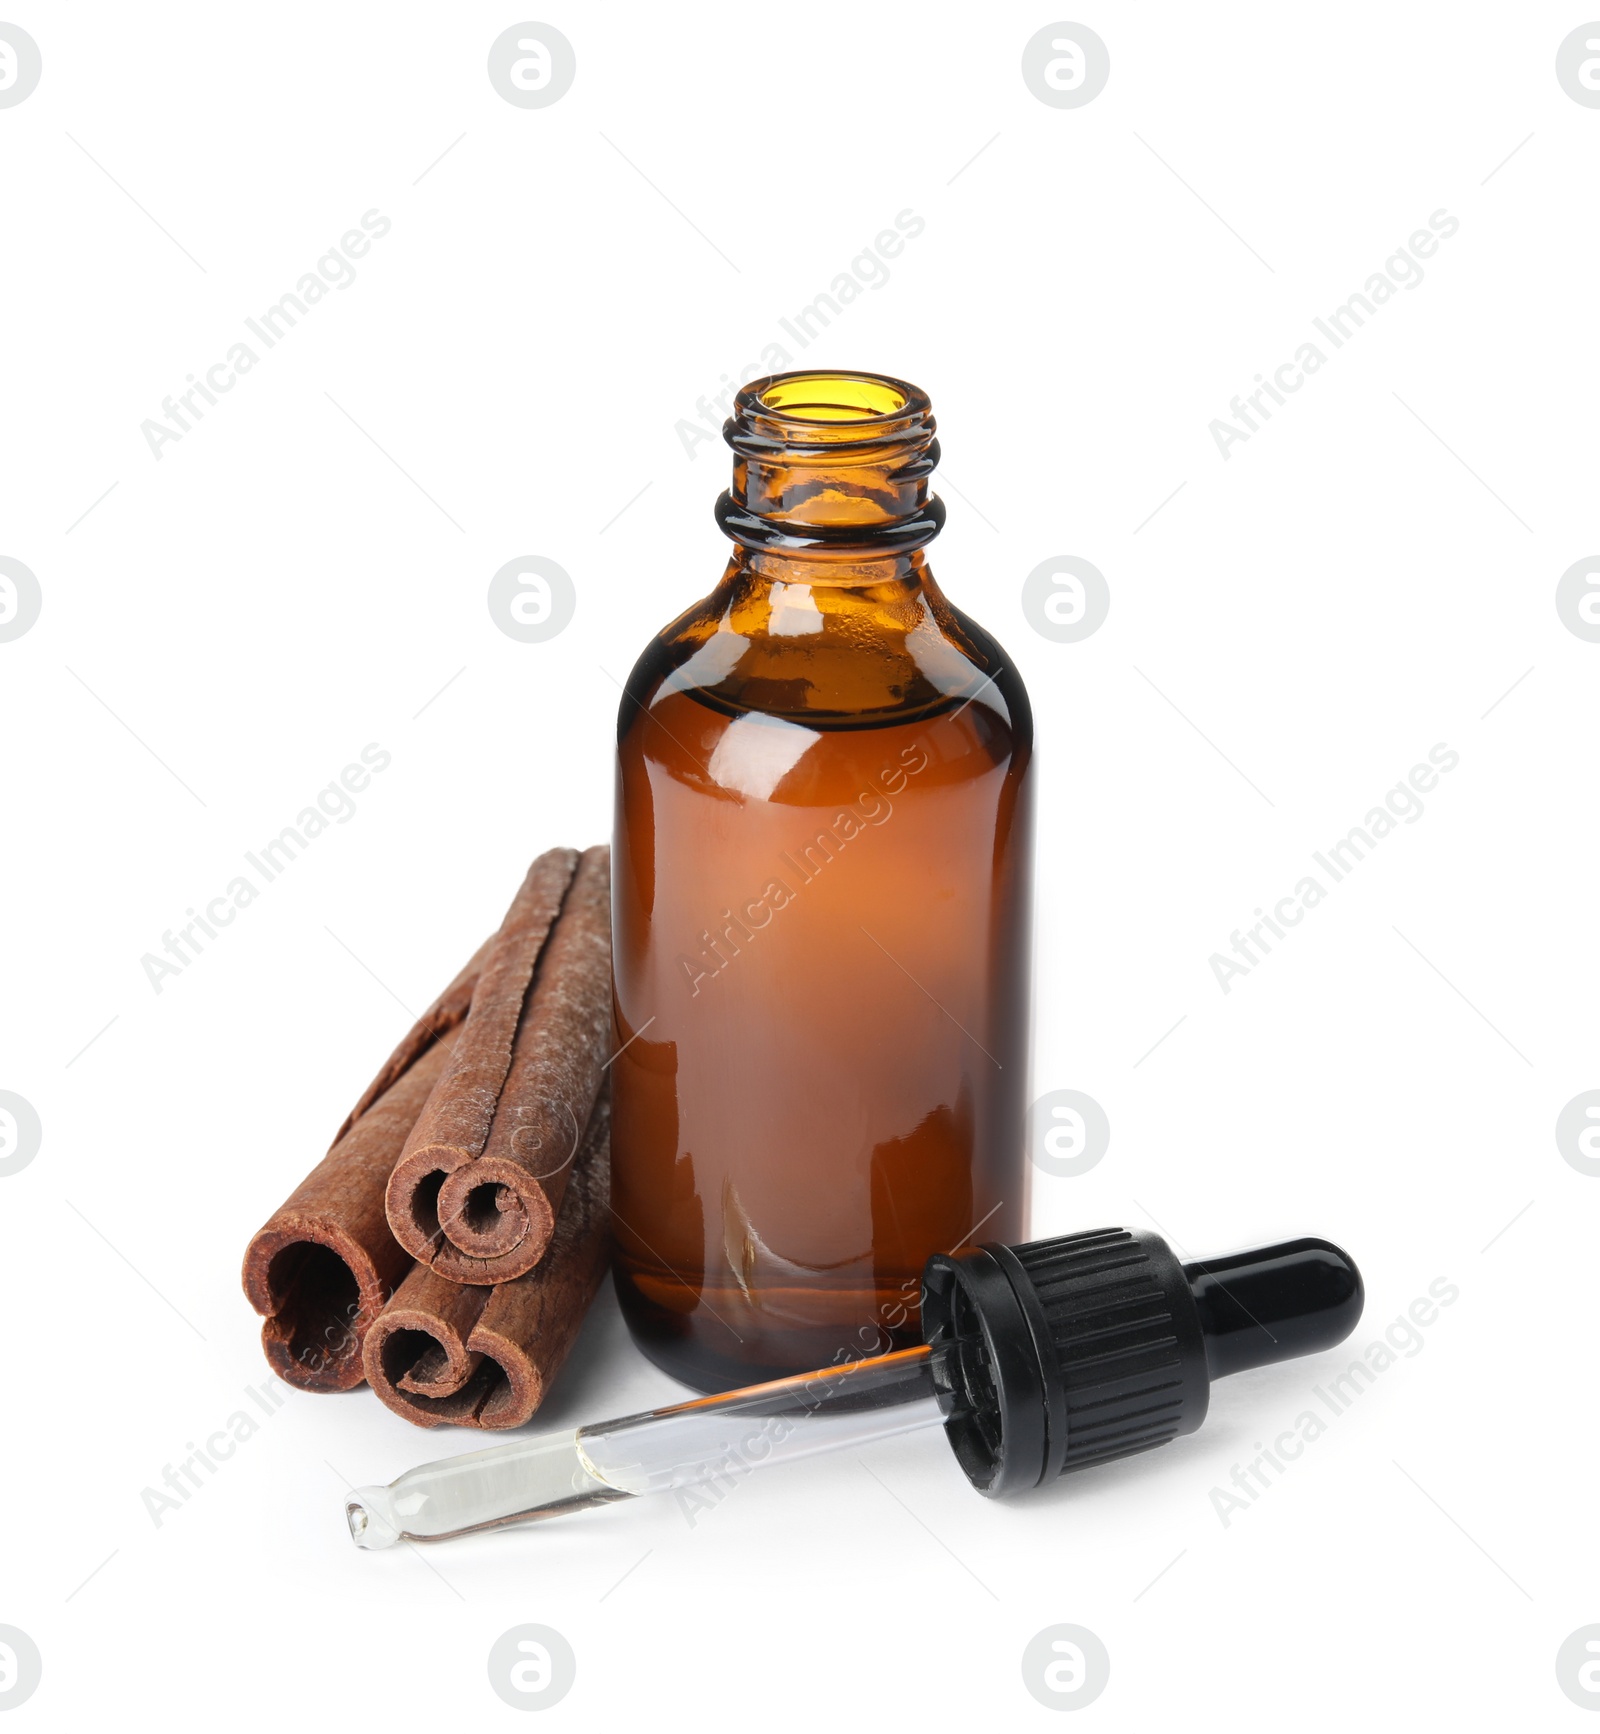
837, 409
833, 397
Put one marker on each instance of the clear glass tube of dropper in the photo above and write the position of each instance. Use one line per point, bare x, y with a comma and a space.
711, 1439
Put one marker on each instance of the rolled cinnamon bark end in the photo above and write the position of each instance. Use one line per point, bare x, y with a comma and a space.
323, 1265
477, 1191
417, 1351
483, 1357
454, 1126
498, 1206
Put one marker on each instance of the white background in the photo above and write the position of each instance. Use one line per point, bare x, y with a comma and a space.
1289, 634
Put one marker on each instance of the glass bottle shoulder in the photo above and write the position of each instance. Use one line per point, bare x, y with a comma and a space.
830, 657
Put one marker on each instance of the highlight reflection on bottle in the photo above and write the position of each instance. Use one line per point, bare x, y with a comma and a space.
821, 911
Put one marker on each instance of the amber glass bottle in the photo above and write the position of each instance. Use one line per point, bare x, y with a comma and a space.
822, 887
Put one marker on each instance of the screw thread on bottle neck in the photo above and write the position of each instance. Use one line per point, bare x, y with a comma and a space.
827, 465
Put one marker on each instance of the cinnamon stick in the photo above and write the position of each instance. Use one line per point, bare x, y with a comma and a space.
476, 1191
484, 1356
322, 1266
324, 1263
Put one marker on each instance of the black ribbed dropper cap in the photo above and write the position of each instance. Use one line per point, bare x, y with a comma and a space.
1063, 1353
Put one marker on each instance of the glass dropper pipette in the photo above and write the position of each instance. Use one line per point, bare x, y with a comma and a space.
686, 1445
1041, 1358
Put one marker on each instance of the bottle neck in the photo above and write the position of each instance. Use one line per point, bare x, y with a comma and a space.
832, 468
765, 567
